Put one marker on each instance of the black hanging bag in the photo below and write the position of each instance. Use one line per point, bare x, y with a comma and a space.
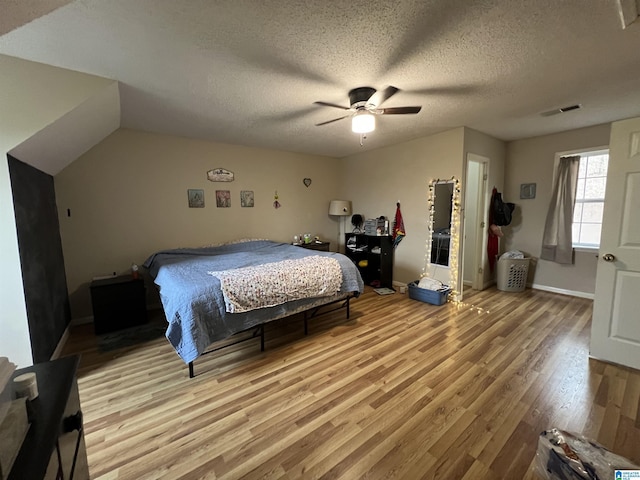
501, 211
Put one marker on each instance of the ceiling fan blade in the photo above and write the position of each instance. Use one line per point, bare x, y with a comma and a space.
331, 121
451, 90
382, 96
398, 110
327, 104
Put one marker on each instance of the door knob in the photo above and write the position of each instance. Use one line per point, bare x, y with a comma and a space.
608, 257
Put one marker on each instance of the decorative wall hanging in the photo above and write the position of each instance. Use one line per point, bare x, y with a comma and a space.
220, 175
223, 198
246, 198
307, 182
399, 232
276, 203
196, 198
527, 191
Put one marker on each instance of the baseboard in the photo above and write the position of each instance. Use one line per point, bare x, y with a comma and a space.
562, 291
61, 343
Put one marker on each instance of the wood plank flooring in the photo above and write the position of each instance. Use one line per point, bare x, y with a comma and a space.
401, 390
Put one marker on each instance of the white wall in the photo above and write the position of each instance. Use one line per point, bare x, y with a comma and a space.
14, 341
32, 96
532, 161
128, 199
377, 179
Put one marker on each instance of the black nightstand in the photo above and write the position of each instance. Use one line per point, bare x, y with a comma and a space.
322, 246
118, 302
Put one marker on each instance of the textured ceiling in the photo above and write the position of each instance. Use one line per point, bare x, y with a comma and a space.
14, 13
248, 72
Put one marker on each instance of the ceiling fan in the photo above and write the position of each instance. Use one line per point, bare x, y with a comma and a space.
365, 104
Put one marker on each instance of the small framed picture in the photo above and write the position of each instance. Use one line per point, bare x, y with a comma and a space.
527, 191
223, 198
196, 198
246, 198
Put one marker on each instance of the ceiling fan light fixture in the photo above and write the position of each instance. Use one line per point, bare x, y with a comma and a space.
363, 122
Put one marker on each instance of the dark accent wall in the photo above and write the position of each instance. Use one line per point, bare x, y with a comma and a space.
43, 275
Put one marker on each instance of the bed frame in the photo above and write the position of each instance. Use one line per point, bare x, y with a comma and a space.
259, 330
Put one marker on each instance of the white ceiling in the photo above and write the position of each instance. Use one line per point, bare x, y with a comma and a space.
247, 72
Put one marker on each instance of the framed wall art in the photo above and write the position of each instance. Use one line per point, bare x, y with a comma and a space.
196, 197
223, 198
220, 175
527, 191
246, 198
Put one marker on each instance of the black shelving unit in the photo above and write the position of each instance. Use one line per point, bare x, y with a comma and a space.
373, 255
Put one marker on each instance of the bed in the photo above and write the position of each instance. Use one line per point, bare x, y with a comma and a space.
199, 288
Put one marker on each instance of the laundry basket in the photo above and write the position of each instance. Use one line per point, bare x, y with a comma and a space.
512, 274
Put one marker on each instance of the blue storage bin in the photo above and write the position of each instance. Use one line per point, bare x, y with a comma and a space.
434, 297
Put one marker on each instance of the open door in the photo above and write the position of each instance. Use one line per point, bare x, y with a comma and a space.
475, 221
615, 329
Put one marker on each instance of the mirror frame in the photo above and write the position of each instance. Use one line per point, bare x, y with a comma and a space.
454, 245
442, 213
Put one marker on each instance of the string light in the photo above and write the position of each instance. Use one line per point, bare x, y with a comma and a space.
454, 234
455, 239
479, 310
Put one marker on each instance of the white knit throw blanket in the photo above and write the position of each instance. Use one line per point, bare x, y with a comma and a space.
271, 284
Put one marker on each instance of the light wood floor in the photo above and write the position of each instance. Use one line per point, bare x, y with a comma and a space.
402, 390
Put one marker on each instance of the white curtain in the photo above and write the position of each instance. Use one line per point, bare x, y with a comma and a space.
557, 242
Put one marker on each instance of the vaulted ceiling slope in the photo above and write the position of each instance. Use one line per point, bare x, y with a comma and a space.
248, 72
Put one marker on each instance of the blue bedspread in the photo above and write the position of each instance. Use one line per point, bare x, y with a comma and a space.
193, 301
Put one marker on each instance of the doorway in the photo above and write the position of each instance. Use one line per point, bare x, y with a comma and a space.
474, 239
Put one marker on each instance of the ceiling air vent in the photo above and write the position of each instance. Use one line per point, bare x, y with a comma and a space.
561, 110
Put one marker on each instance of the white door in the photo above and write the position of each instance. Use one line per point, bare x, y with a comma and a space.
475, 231
615, 329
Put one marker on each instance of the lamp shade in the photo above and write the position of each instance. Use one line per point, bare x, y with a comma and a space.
340, 207
363, 122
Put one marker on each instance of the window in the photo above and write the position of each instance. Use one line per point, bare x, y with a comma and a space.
587, 214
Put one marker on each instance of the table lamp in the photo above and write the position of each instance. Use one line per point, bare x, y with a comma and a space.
340, 208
